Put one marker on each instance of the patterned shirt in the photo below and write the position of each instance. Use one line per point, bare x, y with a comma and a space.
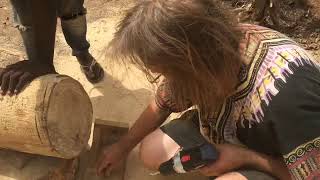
276, 107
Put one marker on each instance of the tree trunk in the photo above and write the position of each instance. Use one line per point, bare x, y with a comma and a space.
51, 117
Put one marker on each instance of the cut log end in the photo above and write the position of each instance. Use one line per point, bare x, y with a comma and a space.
52, 116
69, 118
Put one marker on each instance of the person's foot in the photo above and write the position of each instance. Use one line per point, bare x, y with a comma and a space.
91, 68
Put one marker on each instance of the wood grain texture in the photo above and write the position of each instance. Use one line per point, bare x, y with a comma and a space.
52, 117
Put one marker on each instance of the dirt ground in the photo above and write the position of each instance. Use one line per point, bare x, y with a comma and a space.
11, 42
114, 98
300, 22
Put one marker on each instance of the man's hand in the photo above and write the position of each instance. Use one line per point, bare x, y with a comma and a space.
231, 157
111, 158
14, 77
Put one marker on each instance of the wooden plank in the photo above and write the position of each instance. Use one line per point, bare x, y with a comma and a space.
108, 122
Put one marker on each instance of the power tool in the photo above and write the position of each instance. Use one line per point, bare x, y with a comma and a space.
191, 159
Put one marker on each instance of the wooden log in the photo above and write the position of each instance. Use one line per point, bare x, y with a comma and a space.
51, 117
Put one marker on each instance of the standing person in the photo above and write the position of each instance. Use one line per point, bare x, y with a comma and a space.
74, 27
256, 92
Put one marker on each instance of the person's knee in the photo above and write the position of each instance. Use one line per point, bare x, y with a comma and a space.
231, 176
149, 158
156, 149
71, 13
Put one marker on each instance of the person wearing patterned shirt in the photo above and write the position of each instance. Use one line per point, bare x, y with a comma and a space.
250, 91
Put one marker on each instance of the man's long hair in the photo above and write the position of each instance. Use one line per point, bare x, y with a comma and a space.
193, 43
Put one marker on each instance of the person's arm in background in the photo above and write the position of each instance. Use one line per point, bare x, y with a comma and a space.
39, 17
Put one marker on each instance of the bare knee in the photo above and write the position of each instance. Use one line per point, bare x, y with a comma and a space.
232, 176
157, 148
